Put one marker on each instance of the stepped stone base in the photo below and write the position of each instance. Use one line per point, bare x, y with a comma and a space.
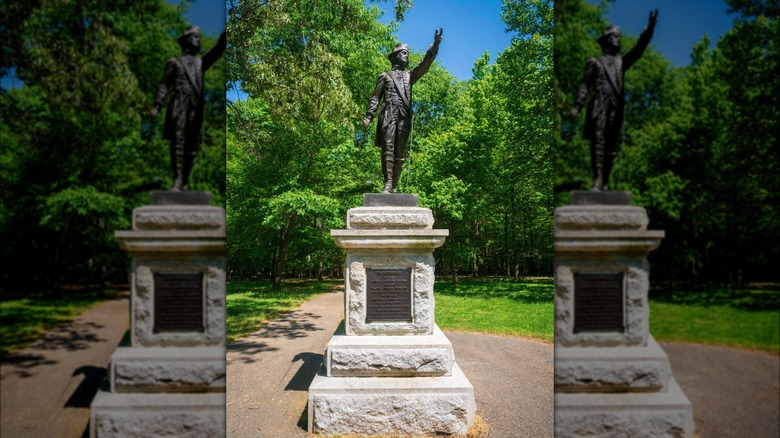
612, 369
147, 415
168, 369
389, 356
391, 405
637, 415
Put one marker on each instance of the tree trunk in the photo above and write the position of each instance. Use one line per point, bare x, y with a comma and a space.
285, 242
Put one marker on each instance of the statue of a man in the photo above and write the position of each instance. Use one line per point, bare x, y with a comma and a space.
603, 80
183, 81
395, 115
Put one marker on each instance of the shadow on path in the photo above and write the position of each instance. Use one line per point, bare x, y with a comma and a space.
291, 325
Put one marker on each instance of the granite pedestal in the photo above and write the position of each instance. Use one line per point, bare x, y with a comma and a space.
611, 377
170, 379
389, 369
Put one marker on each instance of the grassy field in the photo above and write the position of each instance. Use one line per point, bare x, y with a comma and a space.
745, 318
507, 307
249, 304
494, 305
23, 320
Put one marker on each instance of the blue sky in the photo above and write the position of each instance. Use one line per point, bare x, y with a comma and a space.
681, 23
470, 28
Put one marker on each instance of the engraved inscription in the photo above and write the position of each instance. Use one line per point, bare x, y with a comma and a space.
389, 295
598, 303
178, 302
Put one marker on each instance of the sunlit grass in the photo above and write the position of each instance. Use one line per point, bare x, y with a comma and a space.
495, 305
23, 320
745, 318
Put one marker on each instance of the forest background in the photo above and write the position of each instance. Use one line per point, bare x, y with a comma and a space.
78, 152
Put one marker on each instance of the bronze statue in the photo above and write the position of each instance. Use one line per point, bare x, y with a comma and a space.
395, 114
604, 81
183, 80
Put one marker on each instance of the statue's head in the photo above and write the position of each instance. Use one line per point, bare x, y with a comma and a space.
610, 40
190, 40
399, 55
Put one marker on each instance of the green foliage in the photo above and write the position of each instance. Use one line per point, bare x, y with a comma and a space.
78, 152
479, 153
700, 143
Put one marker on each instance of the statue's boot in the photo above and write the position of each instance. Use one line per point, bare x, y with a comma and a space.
609, 160
178, 170
398, 165
189, 160
387, 167
598, 172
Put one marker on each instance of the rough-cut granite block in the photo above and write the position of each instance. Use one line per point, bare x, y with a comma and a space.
178, 218
389, 218
420, 355
637, 415
612, 369
157, 415
169, 369
391, 405
600, 217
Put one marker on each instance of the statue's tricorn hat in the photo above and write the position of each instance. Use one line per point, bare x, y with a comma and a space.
398, 47
611, 30
192, 29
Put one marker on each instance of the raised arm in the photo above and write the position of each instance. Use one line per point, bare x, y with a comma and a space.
373, 103
633, 55
420, 69
210, 57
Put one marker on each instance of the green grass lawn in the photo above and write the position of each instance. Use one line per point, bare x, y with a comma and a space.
745, 318
494, 305
507, 307
23, 320
251, 303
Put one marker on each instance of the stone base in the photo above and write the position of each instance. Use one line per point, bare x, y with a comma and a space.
389, 356
169, 369
592, 197
389, 200
148, 415
171, 197
391, 405
658, 414
612, 369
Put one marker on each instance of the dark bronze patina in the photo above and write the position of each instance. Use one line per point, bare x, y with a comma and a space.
178, 302
395, 115
603, 80
183, 81
598, 303
389, 295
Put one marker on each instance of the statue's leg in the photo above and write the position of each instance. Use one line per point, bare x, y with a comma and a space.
609, 160
597, 163
189, 160
177, 161
388, 164
400, 149
388, 145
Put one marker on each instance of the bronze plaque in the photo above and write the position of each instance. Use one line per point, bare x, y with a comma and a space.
389, 295
178, 302
598, 303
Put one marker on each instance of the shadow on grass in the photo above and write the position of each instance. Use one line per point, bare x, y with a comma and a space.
762, 298
536, 290
25, 319
252, 304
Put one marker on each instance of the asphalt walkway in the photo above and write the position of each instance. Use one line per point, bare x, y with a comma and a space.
46, 388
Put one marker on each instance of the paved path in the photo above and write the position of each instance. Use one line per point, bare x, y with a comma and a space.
46, 388
268, 374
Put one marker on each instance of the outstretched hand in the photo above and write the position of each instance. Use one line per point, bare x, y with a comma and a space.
653, 18
437, 36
